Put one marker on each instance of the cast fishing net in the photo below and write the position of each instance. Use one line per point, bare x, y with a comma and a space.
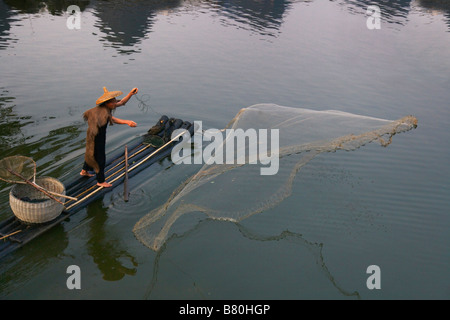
222, 190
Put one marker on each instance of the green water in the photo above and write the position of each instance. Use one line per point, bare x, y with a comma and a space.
205, 60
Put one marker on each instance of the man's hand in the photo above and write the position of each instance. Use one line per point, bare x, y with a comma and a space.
127, 97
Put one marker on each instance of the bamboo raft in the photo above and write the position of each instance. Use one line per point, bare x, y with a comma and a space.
14, 233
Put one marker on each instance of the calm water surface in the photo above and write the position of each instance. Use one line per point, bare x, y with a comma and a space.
205, 60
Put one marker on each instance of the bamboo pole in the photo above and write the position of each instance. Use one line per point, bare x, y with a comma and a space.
41, 188
11, 234
147, 145
125, 183
131, 156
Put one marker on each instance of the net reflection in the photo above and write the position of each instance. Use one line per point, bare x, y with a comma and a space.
194, 283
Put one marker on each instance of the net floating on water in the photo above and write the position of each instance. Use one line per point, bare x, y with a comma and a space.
222, 191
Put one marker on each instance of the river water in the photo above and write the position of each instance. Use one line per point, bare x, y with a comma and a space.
205, 60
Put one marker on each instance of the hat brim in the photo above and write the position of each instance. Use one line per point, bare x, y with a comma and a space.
108, 96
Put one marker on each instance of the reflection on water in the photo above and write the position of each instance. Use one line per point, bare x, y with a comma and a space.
123, 24
47, 149
397, 11
436, 7
5, 25
54, 7
29, 262
10, 124
312, 251
105, 248
263, 17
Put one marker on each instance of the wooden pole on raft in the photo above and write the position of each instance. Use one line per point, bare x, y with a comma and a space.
131, 156
11, 234
125, 183
46, 192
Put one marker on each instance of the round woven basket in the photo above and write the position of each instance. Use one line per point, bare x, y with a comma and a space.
32, 206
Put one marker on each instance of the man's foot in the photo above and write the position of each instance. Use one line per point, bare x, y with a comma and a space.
104, 184
84, 173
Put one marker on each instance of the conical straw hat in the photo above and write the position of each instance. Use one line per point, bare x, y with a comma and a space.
108, 95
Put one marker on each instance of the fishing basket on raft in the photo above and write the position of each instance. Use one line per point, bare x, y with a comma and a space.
32, 206
32, 199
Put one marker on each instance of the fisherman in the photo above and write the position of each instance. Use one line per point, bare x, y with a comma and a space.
98, 119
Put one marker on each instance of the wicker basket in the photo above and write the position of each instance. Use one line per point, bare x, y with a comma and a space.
43, 209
